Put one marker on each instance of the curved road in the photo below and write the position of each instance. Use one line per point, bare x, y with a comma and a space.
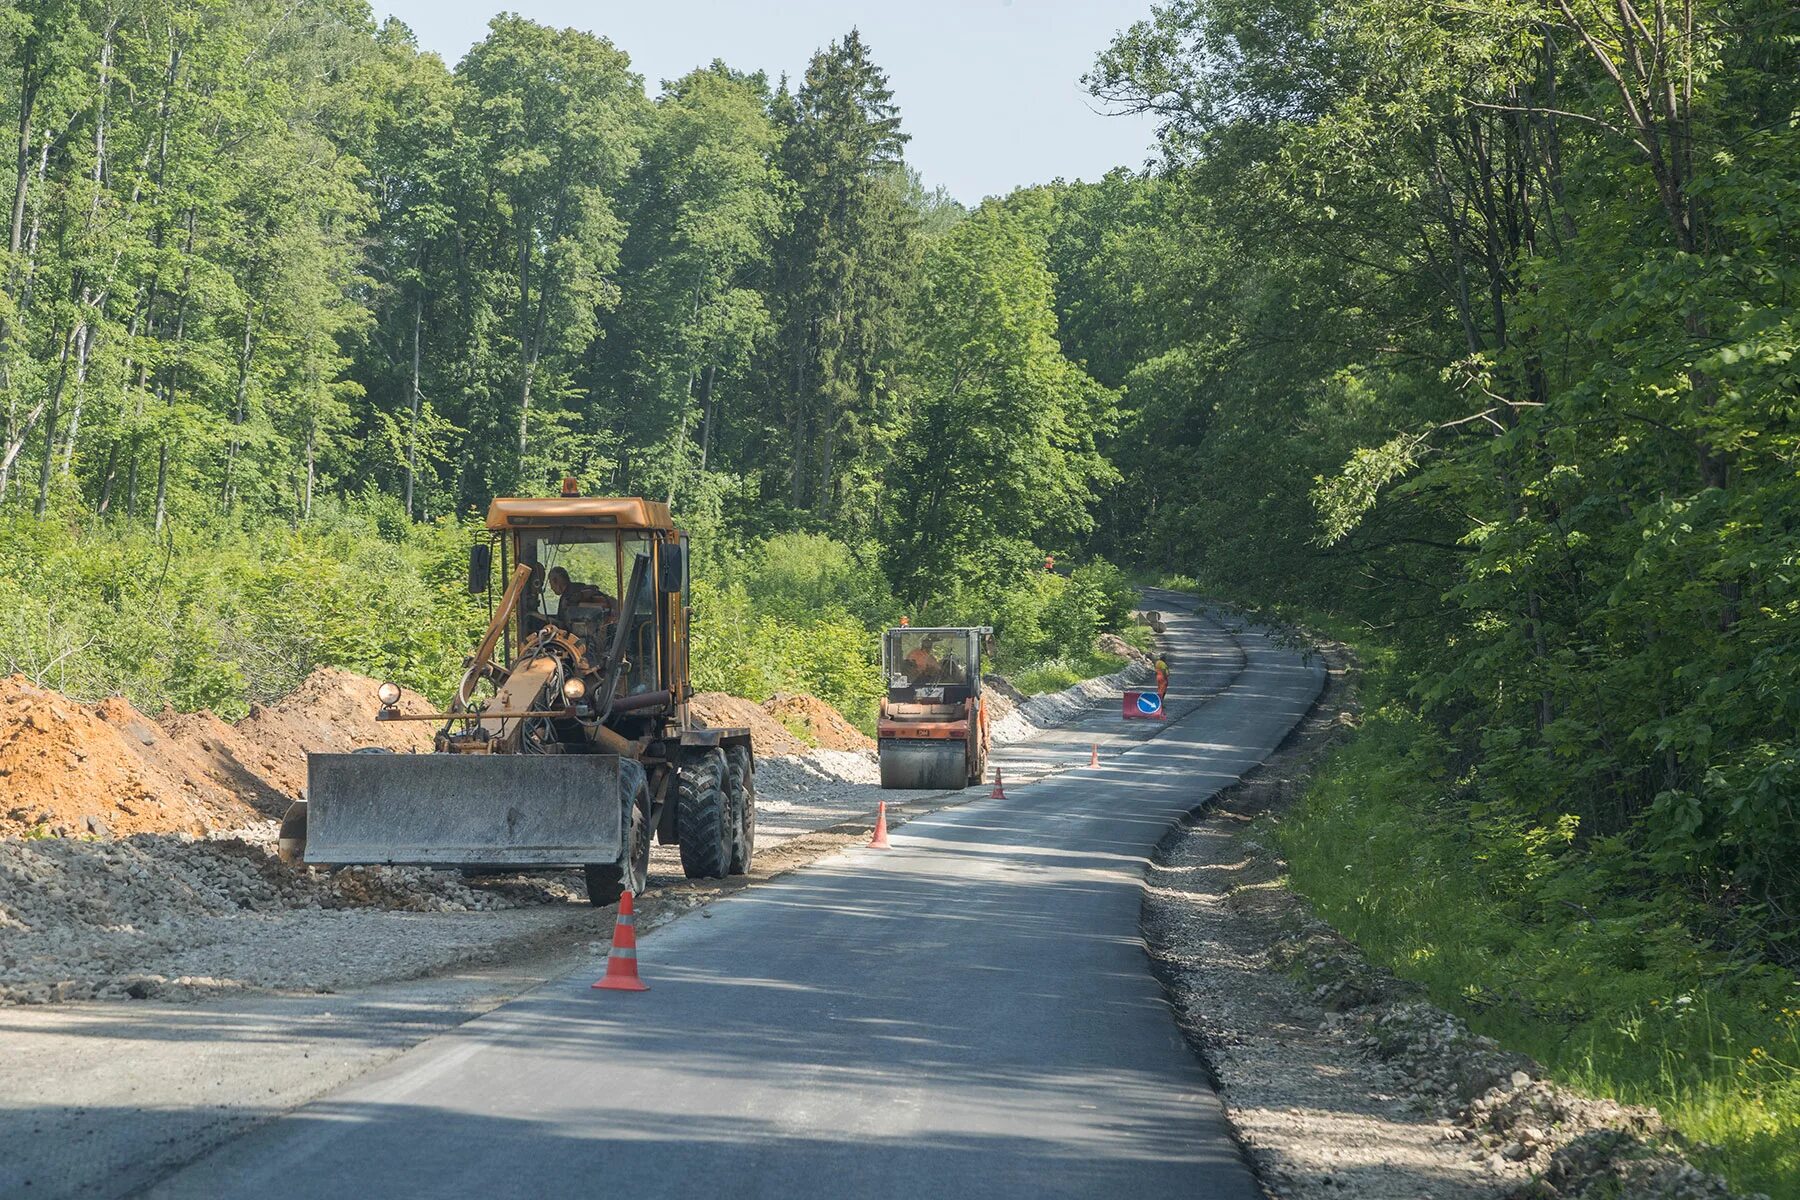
969, 1013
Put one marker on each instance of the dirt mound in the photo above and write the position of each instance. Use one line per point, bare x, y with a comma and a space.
65, 771
332, 712
823, 725
770, 737
185, 762
1112, 643
224, 754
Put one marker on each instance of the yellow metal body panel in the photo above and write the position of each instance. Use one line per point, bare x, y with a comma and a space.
610, 512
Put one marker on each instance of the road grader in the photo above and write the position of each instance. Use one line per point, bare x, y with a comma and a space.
568, 742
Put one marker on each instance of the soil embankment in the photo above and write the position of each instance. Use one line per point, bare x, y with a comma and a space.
108, 770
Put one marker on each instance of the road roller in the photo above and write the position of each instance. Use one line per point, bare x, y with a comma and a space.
933, 729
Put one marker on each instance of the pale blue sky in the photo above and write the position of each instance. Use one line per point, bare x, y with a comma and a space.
989, 89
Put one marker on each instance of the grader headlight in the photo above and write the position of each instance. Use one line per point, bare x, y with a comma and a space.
574, 689
388, 694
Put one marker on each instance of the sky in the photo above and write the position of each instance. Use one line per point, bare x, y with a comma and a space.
989, 89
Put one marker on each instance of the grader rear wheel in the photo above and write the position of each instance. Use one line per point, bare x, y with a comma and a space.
702, 817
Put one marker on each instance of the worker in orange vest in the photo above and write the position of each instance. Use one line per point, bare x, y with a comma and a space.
1049, 562
1162, 679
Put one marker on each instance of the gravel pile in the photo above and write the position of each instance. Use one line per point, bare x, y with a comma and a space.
154, 914
1032, 716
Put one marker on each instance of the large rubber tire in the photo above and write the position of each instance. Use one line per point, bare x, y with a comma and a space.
608, 881
703, 816
740, 794
290, 843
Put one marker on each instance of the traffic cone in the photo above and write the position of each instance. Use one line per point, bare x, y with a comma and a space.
1094, 755
999, 792
879, 841
621, 962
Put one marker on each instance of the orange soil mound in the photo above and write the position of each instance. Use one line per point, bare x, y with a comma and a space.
223, 755
178, 765
332, 712
825, 724
769, 737
71, 769
66, 771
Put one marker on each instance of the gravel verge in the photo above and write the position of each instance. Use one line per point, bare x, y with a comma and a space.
1340, 1080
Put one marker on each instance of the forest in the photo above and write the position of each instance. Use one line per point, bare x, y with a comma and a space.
1465, 332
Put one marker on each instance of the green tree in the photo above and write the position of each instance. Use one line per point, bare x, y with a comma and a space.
999, 458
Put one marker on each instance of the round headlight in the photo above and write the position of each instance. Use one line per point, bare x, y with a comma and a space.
574, 688
388, 694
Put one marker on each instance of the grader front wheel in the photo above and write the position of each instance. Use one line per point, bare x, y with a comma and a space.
740, 799
607, 882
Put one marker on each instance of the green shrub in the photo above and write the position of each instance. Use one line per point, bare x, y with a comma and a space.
1541, 940
218, 617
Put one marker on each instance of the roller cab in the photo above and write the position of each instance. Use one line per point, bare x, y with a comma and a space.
932, 733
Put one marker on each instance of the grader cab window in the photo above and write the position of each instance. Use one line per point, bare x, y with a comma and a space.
575, 584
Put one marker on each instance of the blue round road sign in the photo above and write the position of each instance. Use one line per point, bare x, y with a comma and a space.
1149, 703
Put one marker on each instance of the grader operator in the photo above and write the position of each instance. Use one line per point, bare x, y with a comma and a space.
568, 742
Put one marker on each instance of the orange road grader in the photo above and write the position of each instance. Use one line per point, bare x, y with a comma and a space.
568, 742
932, 733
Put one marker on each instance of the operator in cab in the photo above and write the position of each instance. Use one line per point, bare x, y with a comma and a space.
922, 662
569, 592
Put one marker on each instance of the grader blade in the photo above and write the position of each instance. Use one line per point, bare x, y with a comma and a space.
493, 810
924, 765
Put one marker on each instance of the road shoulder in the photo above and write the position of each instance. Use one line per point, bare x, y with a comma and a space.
1341, 1081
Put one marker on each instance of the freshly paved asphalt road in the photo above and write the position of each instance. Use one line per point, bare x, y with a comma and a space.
968, 1014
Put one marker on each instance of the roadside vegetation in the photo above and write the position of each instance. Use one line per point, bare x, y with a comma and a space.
226, 616
1548, 943
1469, 332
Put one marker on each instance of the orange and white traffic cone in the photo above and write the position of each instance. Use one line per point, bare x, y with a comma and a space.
999, 792
879, 841
621, 961
1094, 755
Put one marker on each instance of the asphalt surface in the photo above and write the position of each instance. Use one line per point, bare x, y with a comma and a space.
969, 1013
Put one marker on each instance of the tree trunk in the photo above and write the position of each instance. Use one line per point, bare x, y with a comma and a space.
82, 350
707, 414
239, 402
412, 445
112, 473
56, 391
22, 177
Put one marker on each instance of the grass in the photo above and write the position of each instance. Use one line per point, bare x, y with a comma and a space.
1139, 635
1065, 671
800, 729
1519, 931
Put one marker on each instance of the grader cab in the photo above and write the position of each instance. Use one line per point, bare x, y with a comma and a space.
568, 742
